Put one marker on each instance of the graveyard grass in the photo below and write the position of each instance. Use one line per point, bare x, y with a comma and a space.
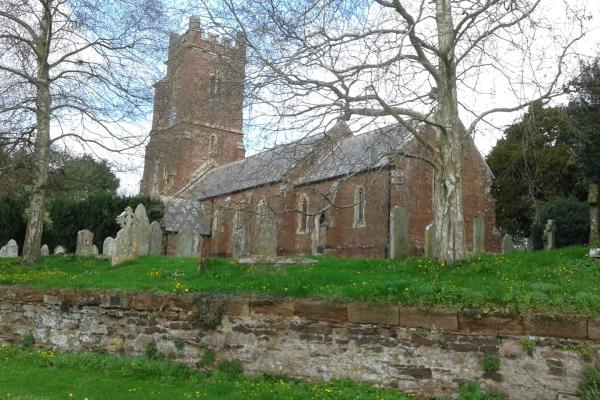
95, 376
563, 281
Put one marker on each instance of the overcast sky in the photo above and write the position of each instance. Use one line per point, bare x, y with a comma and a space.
133, 163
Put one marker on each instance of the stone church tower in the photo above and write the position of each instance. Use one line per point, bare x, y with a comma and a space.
197, 122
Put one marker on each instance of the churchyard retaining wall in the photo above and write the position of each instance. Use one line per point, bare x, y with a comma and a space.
429, 352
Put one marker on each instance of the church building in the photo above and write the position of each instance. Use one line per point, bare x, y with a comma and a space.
334, 192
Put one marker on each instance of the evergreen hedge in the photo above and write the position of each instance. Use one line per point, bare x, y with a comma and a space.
97, 213
65, 217
572, 220
12, 219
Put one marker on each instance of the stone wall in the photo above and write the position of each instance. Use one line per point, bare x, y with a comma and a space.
427, 352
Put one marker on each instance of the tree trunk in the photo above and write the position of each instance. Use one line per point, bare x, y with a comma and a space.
448, 200
447, 188
35, 224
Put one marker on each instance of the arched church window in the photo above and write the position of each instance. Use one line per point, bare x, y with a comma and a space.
303, 221
217, 223
216, 82
359, 206
322, 220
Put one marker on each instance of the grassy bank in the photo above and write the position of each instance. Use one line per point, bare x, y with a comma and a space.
559, 281
43, 374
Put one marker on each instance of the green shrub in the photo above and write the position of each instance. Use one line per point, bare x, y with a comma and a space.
527, 344
28, 342
490, 363
231, 367
472, 391
151, 351
572, 219
179, 344
590, 386
208, 357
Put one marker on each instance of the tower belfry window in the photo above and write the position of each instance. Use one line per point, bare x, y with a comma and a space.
216, 82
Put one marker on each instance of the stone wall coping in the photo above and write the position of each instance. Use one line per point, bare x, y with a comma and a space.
565, 326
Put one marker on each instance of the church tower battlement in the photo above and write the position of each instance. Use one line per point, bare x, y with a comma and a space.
198, 110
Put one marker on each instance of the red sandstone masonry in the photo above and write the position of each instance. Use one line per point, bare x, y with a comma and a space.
545, 325
375, 314
594, 328
428, 318
321, 311
496, 324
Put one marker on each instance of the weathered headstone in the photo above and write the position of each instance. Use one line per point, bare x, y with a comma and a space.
108, 246
399, 241
507, 244
156, 239
594, 218
266, 232
430, 241
330, 252
595, 253
185, 243
141, 231
123, 250
478, 234
94, 250
240, 237
550, 235
59, 250
45, 251
11, 249
85, 243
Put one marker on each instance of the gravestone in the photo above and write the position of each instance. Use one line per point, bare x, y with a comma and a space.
240, 232
430, 241
123, 250
59, 250
94, 250
266, 235
85, 243
595, 253
478, 234
185, 243
141, 231
11, 249
549, 235
45, 251
507, 244
594, 218
399, 242
156, 237
108, 246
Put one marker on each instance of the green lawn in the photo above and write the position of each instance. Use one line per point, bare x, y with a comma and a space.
562, 280
42, 374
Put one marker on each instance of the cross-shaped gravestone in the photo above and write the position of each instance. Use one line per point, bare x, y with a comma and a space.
549, 235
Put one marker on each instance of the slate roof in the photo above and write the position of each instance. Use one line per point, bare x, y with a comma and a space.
358, 153
353, 154
182, 214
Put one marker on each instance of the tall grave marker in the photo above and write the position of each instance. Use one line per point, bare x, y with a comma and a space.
594, 222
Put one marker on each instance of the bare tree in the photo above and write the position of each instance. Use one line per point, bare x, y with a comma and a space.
430, 66
77, 72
